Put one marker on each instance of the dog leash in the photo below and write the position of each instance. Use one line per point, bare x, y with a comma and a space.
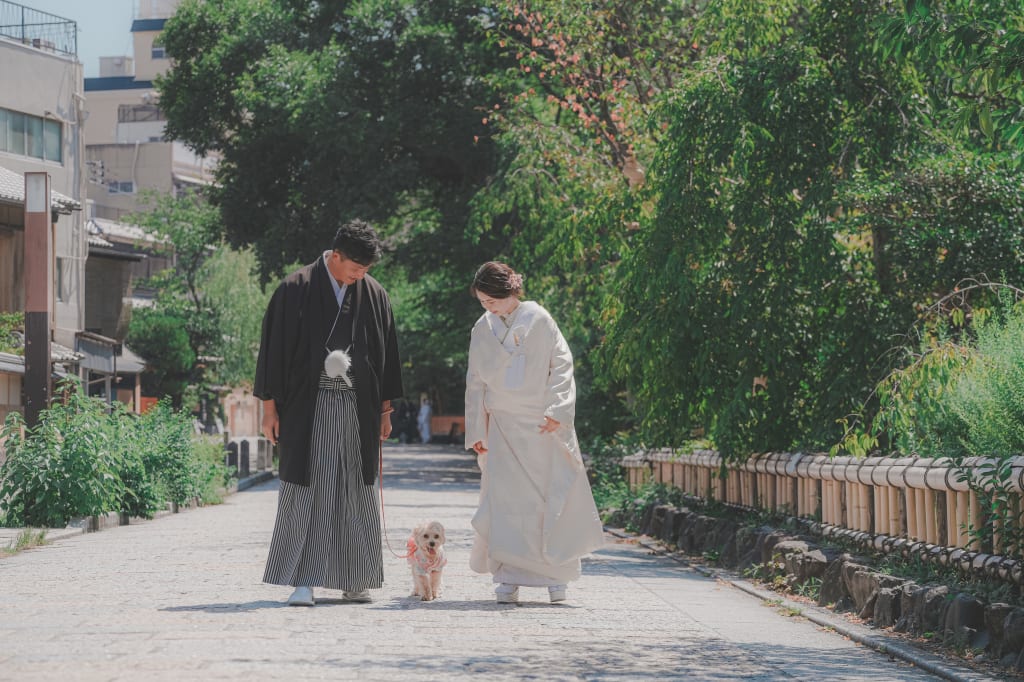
382, 519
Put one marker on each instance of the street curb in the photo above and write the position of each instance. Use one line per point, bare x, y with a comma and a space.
819, 616
255, 479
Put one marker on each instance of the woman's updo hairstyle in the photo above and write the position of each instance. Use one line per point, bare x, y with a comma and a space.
497, 280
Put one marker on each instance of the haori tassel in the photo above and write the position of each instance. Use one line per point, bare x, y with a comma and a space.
337, 364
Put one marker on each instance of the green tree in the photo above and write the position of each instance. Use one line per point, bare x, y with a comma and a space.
575, 127
971, 54
203, 328
229, 282
322, 112
177, 335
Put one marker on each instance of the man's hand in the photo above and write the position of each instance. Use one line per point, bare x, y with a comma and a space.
271, 424
385, 420
479, 448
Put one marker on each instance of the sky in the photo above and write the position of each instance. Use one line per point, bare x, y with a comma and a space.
104, 27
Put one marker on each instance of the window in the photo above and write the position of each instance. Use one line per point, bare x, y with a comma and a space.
63, 279
52, 147
33, 136
158, 51
139, 113
16, 141
120, 187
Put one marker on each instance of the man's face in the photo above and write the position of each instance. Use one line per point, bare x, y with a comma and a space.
344, 270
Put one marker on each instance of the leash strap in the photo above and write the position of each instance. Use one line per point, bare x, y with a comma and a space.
382, 519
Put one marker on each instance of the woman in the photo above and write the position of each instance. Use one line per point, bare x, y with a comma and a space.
537, 515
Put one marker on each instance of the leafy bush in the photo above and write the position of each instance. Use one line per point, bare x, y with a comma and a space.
989, 398
168, 453
9, 342
212, 476
142, 494
63, 468
83, 460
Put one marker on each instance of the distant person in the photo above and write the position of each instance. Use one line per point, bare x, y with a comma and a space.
327, 372
423, 421
536, 516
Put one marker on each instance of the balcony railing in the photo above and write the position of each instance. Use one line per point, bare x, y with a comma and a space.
38, 29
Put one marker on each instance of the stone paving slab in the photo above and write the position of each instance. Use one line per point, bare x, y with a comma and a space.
181, 597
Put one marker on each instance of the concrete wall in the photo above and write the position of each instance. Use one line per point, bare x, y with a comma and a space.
147, 165
147, 68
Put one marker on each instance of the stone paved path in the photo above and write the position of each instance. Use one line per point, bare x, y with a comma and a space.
181, 598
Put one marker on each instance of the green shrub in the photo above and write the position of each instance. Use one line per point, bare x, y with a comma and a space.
143, 495
65, 466
9, 323
212, 476
86, 458
989, 398
167, 453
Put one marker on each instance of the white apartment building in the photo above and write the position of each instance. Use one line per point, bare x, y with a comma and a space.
124, 138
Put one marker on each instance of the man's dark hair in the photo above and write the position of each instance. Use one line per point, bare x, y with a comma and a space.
358, 241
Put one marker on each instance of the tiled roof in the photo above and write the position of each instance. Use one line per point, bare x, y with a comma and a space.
12, 190
114, 231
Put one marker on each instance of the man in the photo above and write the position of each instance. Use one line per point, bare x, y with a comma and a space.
328, 427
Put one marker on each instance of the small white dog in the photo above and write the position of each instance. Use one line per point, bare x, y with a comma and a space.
426, 558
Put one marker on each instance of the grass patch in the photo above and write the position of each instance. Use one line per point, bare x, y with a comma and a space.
28, 538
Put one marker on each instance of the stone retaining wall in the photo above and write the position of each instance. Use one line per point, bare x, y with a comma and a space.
847, 581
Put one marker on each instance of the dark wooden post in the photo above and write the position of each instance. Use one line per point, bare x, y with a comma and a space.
38, 294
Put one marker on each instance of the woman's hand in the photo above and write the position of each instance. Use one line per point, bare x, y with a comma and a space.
478, 448
549, 425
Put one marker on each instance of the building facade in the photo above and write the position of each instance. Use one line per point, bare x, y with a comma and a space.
125, 146
41, 116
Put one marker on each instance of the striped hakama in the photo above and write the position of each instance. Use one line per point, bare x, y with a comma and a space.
328, 534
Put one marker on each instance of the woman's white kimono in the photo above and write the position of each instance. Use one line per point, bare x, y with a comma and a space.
537, 515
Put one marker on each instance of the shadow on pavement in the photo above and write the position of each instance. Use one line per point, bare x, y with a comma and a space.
429, 467
702, 659
442, 604
228, 608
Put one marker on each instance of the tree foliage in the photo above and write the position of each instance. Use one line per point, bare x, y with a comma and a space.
804, 213
972, 56
202, 330
735, 210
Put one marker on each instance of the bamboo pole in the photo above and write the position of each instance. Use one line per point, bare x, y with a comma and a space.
931, 530
975, 522
911, 496
882, 510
